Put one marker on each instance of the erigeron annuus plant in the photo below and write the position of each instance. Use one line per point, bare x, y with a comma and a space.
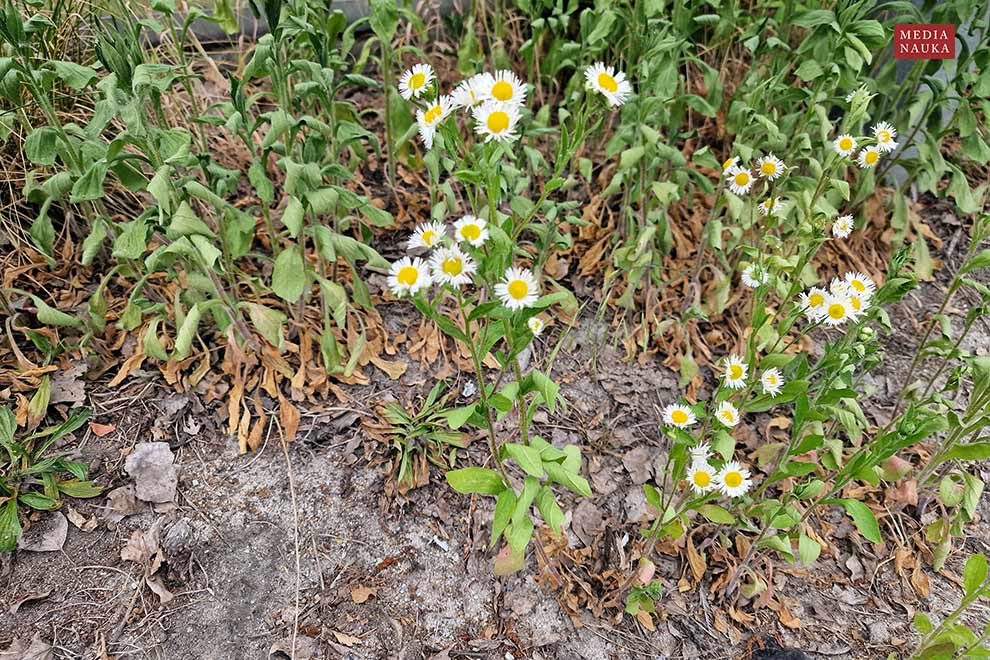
786, 218
481, 280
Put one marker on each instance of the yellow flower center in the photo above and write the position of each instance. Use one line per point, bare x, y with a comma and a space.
432, 114
417, 80
846, 144
742, 178
816, 300
883, 136
768, 168
407, 276
701, 479
728, 416
735, 371
679, 416
772, 380
502, 90
518, 289
727, 164
733, 479
858, 285
607, 82
428, 237
856, 303
837, 311
871, 157
471, 232
498, 121
452, 266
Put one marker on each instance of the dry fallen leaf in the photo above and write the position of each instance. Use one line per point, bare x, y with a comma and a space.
100, 430
48, 535
28, 598
362, 594
151, 466
345, 639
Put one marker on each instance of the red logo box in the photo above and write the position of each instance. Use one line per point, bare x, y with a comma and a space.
924, 41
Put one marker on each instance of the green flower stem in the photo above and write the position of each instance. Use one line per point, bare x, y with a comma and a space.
523, 405
482, 392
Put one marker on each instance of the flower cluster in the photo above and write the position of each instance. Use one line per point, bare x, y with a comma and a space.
883, 142
732, 479
741, 179
846, 299
495, 100
452, 263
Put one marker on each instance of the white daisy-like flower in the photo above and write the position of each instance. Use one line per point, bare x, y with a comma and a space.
431, 117
861, 284
535, 325
755, 275
408, 275
608, 82
884, 134
451, 266
740, 180
869, 157
504, 87
471, 92
496, 121
727, 413
839, 287
772, 381
678, 415
427, 235
518, 288
813, 301
770, 167
470, 229
771, 206
701, 476
842, 226
733, 480
859, 303
838, 310
700, 453
845, 144
728, 164
415, 81
735, 372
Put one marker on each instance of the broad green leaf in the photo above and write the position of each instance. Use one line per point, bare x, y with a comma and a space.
51, 316
528, 458
74, 75
974, 573
187, 331
716, 514
39, 147
863, 516
89, 186
569, 480
289, 275
475, 480
549, 509
269, 322
808, 549
10, 526
504, 506
458, 417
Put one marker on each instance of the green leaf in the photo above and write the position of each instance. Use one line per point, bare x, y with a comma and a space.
185, 222
922, 623
567, 479
549, 509
974, 451
289, 275
975, 573
8, 425
77, 488
504, 507
39, 147
475, 480
458, 417
528, 458
547, 388
384, 19
187, 331
89, 186
269, 322
74, 75
262, 184
863, 516
37, 501
293, 216
10, 526
808, 549
716, 514
51, 316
